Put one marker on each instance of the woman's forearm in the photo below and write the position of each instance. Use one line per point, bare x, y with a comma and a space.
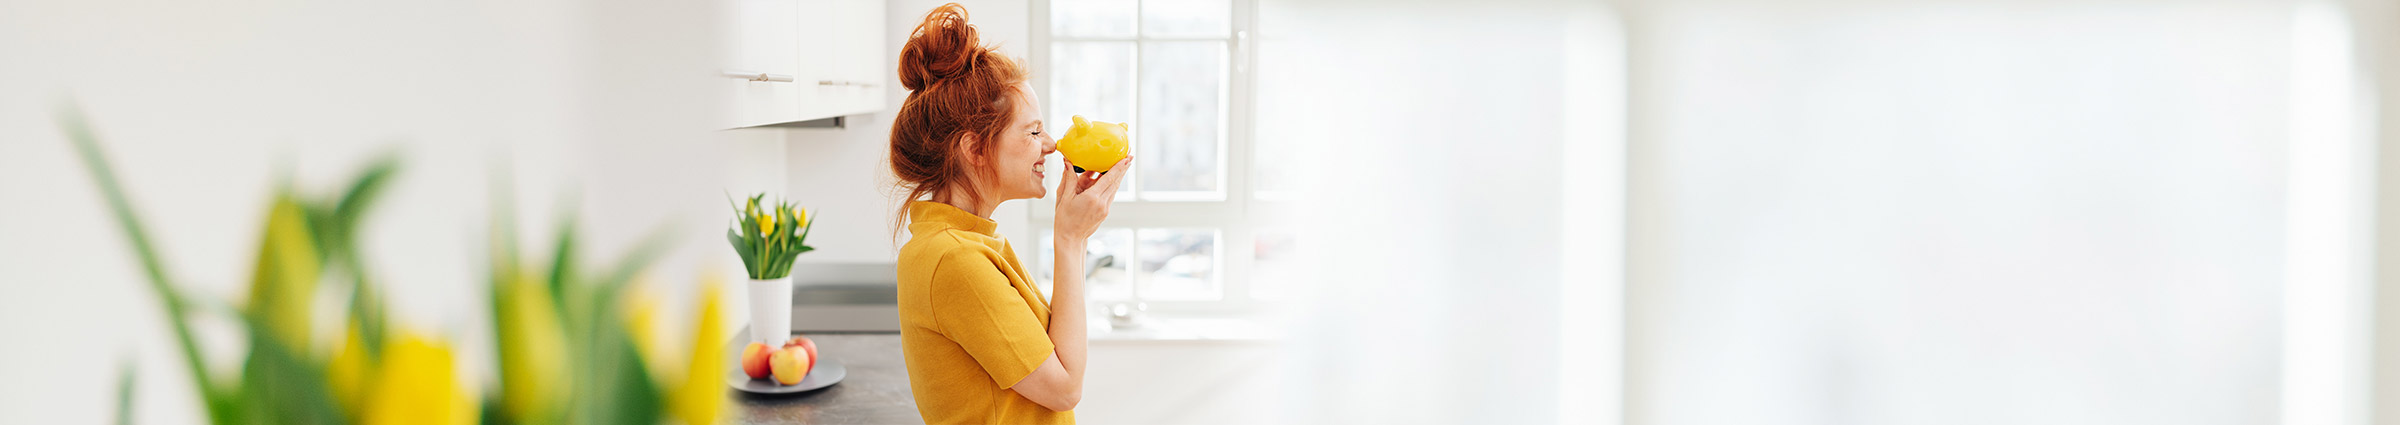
1067, 331
1082, 204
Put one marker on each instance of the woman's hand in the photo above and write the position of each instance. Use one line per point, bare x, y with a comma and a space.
1083, 201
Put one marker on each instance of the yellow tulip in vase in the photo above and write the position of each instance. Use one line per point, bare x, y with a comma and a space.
768, 239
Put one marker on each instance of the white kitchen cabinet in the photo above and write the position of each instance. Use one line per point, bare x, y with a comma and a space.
1181, 382
794, 61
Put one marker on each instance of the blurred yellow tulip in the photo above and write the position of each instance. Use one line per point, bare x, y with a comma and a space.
701, 398
285, 281
418, 383
533, 353
349, 372
643, 323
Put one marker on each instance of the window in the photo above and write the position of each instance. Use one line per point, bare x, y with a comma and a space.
1181, 236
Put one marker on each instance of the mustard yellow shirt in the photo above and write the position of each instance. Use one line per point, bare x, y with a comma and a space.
971, 322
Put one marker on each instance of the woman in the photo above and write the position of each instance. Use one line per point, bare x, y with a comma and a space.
982, 345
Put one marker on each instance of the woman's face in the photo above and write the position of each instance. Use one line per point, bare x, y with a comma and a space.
1019, 159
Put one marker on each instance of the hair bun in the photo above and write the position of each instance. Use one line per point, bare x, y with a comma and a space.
942, 47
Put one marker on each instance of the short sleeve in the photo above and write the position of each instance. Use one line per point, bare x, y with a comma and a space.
976, 307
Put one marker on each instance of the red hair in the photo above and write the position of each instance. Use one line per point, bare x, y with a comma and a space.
957, 87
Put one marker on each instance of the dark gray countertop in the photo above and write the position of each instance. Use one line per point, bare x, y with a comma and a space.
875, 392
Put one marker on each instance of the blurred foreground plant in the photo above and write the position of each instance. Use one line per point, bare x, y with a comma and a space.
567, 342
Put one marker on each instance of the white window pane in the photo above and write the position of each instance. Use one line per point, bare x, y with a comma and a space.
1179, 264
1182, 109
1107, 256
1090, 78
1043, 276
1186, 18
1093, 79
1092, 18
1108, 281
1272, 270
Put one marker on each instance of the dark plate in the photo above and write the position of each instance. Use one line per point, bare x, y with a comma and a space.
827, 372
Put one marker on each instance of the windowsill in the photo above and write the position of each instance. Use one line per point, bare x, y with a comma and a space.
1157, 328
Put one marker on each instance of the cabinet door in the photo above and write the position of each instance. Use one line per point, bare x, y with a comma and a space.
765, 40
843, 50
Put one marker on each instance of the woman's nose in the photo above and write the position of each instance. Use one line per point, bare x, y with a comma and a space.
1049, 145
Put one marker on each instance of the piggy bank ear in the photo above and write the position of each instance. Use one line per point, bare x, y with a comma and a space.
1078, 120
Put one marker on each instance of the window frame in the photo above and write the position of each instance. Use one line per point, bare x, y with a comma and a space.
1236, 215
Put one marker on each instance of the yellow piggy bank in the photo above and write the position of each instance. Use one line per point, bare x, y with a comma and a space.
1093, 145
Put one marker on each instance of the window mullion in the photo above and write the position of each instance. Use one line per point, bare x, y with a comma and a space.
1139, 121
1133, 265
1240, 243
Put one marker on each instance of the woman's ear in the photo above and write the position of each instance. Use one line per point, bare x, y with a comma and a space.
968, 148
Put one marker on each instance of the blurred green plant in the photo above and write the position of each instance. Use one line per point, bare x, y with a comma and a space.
125, 395
569, 350
769, 239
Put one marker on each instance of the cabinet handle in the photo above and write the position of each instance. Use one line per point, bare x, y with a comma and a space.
757, 76
843, 83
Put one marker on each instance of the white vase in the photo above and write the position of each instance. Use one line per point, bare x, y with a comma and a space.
771, 310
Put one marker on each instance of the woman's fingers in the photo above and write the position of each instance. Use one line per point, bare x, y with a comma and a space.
1090, 180
1078, 184
1109, 182
1085, 199
1066, 187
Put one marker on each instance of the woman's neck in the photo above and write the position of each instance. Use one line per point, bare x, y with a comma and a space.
981, 209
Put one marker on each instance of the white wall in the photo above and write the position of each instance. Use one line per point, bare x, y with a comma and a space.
1592, 159
2375, 46
1959, 213
2376, 41
1431, 139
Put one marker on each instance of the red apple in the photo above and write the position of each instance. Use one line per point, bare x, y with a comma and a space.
804, 343
790, 364
754, 360
811, 345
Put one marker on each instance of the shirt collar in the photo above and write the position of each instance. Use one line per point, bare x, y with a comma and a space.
927, 217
